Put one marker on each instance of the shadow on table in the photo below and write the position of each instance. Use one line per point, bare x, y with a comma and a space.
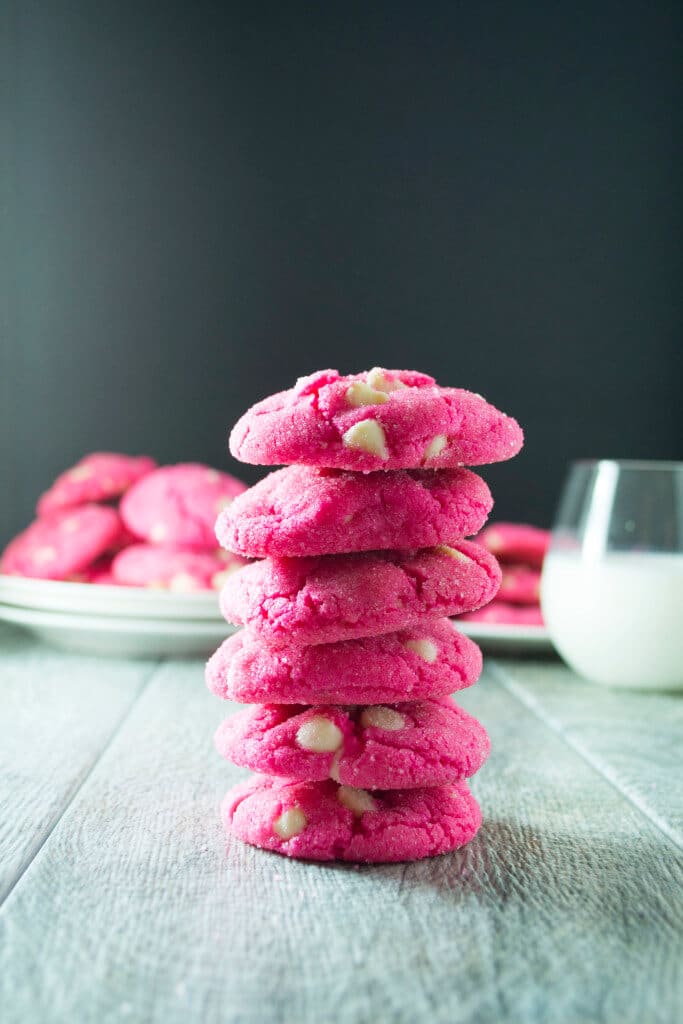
622, 879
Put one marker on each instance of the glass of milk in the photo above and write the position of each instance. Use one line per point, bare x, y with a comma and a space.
612, 583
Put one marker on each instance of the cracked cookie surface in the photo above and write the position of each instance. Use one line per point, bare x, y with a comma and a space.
303, 510
429, 659
342, 597
380, 419
379, 746
325, 821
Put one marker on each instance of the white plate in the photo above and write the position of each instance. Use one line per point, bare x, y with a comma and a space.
498, 639
94, 599
133, 621
120, 636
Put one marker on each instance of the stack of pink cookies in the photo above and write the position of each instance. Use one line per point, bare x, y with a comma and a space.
121, 519
520, 549
348, 653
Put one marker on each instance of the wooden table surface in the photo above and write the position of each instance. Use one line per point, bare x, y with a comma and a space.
120, 901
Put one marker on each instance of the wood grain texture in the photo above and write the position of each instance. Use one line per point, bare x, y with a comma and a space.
567, 907
634, 739
57, 713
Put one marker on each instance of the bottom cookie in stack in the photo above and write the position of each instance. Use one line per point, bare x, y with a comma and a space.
328, 821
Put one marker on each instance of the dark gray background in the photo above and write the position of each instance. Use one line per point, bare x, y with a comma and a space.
202, 201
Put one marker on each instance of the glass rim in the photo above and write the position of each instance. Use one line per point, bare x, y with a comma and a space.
640, 464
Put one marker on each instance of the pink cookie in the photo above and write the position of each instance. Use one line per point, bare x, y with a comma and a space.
325, 821
418, 743
341, 597
380, 419
430, 659
98, 572
101, 476
516, 542
178, 505
502, 613
520, 585
178, 569
62, 544
306, 511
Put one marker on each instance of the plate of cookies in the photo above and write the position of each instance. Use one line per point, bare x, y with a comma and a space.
513, 620
122, 559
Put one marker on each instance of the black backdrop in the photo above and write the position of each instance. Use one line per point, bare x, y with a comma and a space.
203, 201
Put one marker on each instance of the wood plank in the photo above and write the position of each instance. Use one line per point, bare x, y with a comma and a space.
633, 738
57, 713
566, 907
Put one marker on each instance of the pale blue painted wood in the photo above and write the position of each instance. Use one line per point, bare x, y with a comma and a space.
567, 907
634, 739
57, 713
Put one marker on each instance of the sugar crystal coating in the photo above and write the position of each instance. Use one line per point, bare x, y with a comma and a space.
341, 597
301, 511
371, 670
405, 824
314, 424
407, 745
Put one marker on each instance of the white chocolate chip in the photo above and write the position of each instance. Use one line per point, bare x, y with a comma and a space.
360, 393
291, 823
378, 382
444, 549
223, 503
155, 585
368, 436
319, 735
435, 447
158, 533
425, 649
80, 473
212, 475
42, 555
183, 583
357, 800
70, 525
380, 717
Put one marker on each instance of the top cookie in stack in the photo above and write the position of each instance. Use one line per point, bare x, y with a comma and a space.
363, 557
382, 419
